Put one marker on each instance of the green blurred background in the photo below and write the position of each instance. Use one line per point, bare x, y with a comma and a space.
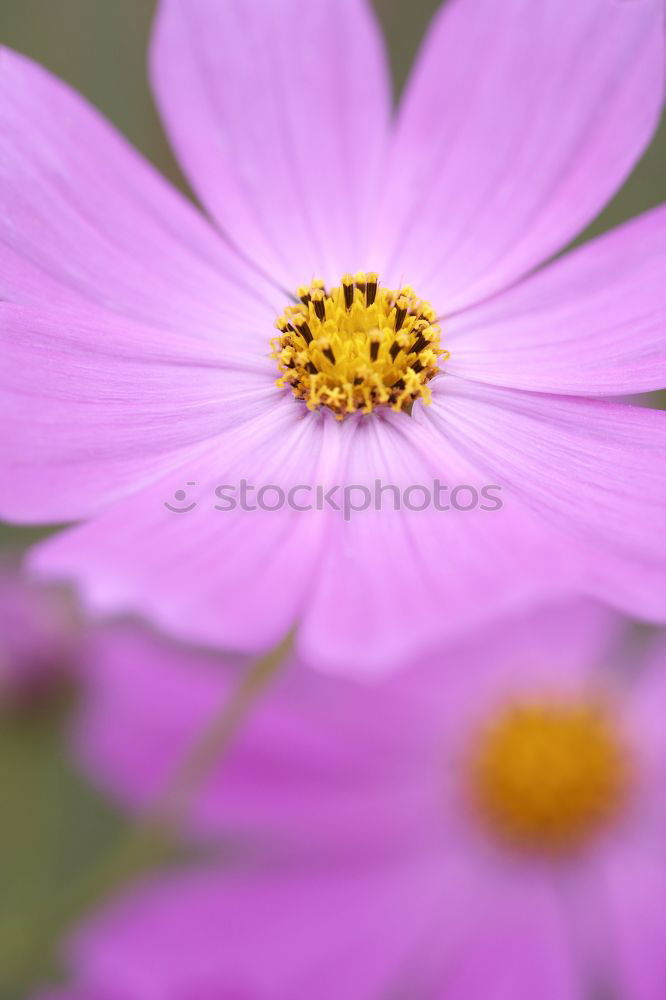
51, 825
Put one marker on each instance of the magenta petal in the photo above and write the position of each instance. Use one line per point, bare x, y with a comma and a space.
83, 217
325, 932
520, 950
592, 323
635, 899
649, 697
519, 123
593, 469
645, 709
94, 407
39, 637
320, 760
278, 111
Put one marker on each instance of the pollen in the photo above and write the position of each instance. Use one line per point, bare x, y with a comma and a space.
358, 346
546, 775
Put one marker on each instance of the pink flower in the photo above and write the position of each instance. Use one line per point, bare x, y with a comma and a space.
136, 335
497, 831
39, 637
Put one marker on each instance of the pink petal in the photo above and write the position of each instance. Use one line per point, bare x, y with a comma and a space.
278, 111
592, 323
94, 407
334, 934
229, 578
408, 579
84, 218
239, 579
594, 470
519, 123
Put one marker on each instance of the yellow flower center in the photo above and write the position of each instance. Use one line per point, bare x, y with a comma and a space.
547, 775
357, 346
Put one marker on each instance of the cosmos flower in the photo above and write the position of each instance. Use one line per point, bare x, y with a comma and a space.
39, 637
358, 307
495, 833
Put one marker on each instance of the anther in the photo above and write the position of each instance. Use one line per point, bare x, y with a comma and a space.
371, 288
327, 351
419, 344
400, 313
305, 332
319, 304
348, 289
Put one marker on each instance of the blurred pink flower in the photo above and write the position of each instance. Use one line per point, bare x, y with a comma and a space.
382, 851
135, 333
39, 637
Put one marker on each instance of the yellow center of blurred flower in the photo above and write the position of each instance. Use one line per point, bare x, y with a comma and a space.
357, 346
546, 775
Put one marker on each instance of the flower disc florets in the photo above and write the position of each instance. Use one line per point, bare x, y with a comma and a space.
546, 775
357, 346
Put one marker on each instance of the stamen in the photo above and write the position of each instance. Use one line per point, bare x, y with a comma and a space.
358, 346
